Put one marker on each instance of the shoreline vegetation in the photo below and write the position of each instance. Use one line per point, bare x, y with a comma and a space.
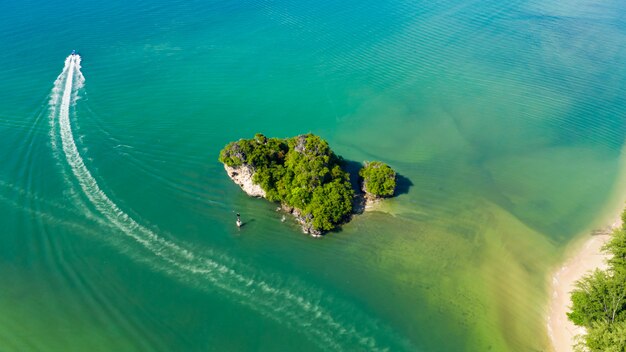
307, 178
573, 323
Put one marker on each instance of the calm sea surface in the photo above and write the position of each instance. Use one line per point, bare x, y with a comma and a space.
506, 120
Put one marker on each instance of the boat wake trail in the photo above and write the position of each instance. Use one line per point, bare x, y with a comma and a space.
291, 303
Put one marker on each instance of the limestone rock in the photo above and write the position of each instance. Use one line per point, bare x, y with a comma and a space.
242, 175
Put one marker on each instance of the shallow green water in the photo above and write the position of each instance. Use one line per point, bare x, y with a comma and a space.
506, 121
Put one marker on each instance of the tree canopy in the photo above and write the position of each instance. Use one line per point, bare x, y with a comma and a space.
378, 179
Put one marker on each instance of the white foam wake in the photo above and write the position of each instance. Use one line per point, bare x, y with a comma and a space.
292, 304
55, 99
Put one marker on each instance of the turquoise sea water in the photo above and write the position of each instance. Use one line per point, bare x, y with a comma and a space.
117, 222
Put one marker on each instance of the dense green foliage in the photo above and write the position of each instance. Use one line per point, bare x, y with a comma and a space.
378, 179
599, 301
302, 172
606, 337
599, 297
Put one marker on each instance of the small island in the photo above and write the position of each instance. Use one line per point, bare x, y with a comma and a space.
306, 177
378, 180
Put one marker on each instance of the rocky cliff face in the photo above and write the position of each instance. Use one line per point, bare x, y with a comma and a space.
242, 176
303, 220
366, 201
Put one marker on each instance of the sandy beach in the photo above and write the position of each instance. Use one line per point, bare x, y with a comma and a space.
584, 257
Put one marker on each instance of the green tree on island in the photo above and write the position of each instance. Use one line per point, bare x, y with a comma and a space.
379, 179
301, 172
599, 302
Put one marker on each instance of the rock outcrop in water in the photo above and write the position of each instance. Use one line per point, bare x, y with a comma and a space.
242, 176
302, 173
